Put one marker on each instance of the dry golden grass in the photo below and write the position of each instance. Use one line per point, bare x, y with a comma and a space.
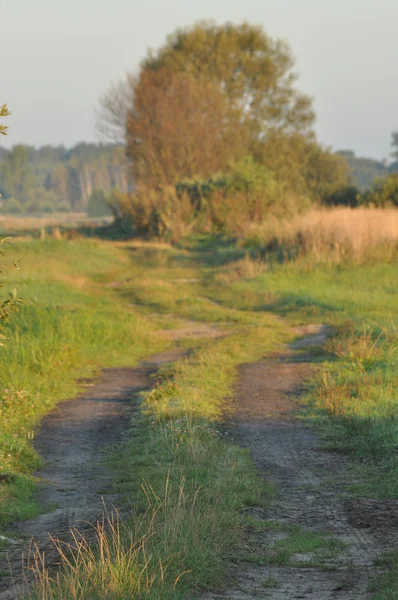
332, 235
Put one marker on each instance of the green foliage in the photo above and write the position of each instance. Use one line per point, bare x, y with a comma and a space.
383, 193
255, 72
346, 196
4, 112
245, 175
228, 203
302, 165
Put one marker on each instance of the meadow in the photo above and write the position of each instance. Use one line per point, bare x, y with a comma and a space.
88, 304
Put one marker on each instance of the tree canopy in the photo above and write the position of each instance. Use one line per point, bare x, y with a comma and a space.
254, 71
180, 127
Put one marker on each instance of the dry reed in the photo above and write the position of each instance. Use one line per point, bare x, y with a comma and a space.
336, 235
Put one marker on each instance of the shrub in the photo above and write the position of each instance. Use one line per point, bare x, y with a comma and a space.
345, 196
227, 203
160, 212
384, 192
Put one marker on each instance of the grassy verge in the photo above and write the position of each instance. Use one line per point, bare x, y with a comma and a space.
68, 328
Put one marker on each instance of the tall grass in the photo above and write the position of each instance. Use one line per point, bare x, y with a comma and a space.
339, 235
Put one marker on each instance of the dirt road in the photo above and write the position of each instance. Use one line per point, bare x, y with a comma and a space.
74, 483
311, 484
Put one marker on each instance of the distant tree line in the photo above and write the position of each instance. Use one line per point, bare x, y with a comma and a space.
51, 178
372, 183
364, 171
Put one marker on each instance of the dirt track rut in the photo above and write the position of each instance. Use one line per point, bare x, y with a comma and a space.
74, 483
311, 484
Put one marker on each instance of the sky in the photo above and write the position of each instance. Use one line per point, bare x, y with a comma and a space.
58, 56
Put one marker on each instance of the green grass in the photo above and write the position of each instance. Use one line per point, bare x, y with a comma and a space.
385, 586
321, 549
67, 328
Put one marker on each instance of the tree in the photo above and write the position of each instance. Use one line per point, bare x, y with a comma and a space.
180, 127
304, 165
255, 72
394, 144
17, 176
384, 192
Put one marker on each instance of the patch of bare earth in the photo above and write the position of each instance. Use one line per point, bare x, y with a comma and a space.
74, 485
312, 491
192, 329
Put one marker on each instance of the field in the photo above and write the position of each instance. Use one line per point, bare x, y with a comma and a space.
197, 501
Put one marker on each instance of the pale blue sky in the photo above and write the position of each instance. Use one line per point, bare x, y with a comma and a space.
58, 56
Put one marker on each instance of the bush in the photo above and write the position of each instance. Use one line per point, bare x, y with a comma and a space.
247, 193
157, 212
384, 192
226, 203
345, 196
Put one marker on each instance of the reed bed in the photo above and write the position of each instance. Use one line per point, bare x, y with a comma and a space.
337, 235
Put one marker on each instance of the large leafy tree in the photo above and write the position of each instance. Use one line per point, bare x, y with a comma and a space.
255, 72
